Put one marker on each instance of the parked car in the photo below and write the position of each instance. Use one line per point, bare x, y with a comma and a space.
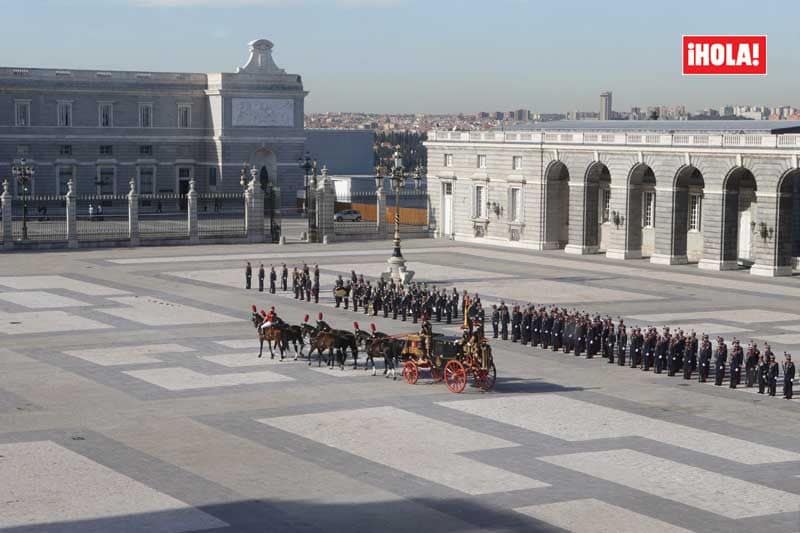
348, 215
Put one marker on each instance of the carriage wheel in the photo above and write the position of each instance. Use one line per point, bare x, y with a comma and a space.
436, 373
410, 372
455, 376
485, 379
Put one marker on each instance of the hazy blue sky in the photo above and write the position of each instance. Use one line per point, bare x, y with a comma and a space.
422, 55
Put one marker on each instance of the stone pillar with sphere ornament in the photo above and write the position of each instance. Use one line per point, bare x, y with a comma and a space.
8, 241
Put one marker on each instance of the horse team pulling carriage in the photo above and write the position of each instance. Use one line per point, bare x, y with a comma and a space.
454, 360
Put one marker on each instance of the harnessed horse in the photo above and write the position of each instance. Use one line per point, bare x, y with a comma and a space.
331, 340
281, 335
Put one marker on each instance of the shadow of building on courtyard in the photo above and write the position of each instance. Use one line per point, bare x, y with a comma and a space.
250, 516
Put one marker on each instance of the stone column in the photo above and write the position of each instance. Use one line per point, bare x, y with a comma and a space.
380, 212
71, 204
254, 211
625, 211
191, 209
326, 198
717, 214
8, 235
772, 246
669, 228
133, 214
577, 222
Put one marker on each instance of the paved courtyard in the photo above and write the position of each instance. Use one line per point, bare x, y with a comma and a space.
132, 399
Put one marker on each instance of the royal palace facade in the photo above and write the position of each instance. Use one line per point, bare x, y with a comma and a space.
163, 129
723, 195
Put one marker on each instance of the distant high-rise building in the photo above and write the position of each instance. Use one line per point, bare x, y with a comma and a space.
522, 114
605, 105
499, 115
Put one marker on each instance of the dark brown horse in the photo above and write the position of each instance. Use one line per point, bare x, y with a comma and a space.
331, 340
281, 335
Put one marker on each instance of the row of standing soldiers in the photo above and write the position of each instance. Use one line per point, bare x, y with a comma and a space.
645, 348
305, 282
414, 301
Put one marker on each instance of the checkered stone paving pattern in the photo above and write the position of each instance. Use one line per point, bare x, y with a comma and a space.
132, 398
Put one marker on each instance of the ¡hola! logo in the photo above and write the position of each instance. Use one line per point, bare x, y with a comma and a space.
725, 54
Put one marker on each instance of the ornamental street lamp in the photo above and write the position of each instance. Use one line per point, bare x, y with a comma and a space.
397, 264
309, 166
24, 173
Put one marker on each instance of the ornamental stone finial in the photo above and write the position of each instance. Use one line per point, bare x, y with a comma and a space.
5, 187
191, 185
260, 61
70, 187
132, 185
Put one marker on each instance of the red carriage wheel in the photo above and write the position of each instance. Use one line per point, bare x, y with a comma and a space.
436, 373
455, 376
410, 372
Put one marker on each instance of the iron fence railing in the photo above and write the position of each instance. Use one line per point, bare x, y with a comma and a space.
102, 217
39, 219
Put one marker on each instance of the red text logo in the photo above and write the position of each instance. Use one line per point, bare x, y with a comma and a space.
725, 54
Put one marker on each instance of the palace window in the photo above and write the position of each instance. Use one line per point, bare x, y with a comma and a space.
695, 205
145, 115
22, 113
105, 114
65, 149
64, 175
105, 180
648, 207
146, 149
516, 162
448, 160
184, 115
65, 114
212, 176
146, 180
481, 161
106, 149
480, 202
515, 204
605, 205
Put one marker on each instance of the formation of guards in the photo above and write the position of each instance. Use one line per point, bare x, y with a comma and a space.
670, 352
554, 328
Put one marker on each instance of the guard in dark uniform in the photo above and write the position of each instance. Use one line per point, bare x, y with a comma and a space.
751, 363
315, 290
772, 375
495, 321
448, 308
622, 343
261, 278
761, 370
737, 358
661, 351
505, 318
248, 275
704, 360
308, 288
536, 328
689, 353
720, 361
526, 325
788, 376
296, 283
338, 289
273, 278
347, 289
285, 276
516, 324
611, 341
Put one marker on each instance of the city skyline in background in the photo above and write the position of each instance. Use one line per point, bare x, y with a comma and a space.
406, 56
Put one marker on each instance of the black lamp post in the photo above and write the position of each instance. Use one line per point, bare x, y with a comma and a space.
309, 166
397, 179
24, 173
